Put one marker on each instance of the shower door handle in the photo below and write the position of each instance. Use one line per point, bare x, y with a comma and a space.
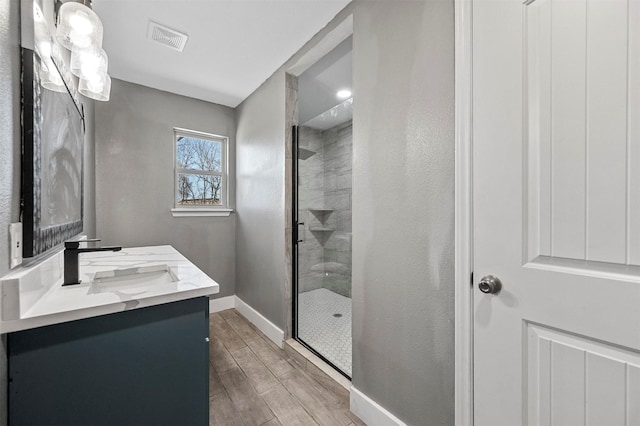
298, 240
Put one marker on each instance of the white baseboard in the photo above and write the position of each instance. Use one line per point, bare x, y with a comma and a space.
370, 411
272, 331
222, 304
275, 334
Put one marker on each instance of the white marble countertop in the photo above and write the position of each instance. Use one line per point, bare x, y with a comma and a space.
34, 296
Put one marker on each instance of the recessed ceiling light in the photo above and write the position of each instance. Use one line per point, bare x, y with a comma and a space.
343, 94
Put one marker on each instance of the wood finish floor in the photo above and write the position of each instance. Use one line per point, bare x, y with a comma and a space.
253, 382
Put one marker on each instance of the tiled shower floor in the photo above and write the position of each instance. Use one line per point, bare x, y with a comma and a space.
327, 334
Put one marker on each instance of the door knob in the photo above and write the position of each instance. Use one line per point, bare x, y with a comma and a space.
490, 284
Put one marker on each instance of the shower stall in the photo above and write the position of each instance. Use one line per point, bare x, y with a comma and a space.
323, 235
322, 208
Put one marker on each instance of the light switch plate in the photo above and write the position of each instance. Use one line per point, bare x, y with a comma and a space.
15, 238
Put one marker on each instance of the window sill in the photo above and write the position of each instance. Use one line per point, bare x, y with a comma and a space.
200, 212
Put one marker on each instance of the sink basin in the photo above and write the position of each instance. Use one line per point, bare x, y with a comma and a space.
132, 280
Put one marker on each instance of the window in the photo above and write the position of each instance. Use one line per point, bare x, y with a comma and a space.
200, 174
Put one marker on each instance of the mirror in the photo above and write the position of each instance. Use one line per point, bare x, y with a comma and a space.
53, 142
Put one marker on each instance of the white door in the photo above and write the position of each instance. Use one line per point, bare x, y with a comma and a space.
556, 135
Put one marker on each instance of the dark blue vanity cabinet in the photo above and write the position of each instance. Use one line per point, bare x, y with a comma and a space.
147, 366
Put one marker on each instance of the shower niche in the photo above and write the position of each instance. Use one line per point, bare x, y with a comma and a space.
323, 189
321, 231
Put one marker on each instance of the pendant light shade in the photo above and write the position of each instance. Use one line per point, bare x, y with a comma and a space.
98, 88
43, 49
80, 30
50, 79
78, 27
49, 76
89, 63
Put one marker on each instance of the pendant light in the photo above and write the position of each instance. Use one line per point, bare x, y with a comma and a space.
89, 62
97, 87
80, 30
50, 79
78, 27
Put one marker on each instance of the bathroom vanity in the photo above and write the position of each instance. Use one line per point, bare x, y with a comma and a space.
128, 345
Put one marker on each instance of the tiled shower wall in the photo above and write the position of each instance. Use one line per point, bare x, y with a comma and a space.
324, 202
337, 196
310, 195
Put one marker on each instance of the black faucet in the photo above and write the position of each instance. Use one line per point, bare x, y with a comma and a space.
71, 251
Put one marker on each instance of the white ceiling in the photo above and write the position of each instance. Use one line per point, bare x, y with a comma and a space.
233, 46
318, 87
339, 114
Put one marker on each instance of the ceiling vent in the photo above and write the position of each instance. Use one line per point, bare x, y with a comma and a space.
166, 36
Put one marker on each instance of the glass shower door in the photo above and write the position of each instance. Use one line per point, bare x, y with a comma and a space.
322, 206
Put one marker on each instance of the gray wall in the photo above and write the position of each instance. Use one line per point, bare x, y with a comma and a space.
403, 208
9, 152
10, 132
263, 169
260, 189
403, 276
135, 177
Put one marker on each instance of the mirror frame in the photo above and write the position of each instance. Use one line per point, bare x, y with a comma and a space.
38, 239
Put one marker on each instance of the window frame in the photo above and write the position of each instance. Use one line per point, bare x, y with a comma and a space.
202, 210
